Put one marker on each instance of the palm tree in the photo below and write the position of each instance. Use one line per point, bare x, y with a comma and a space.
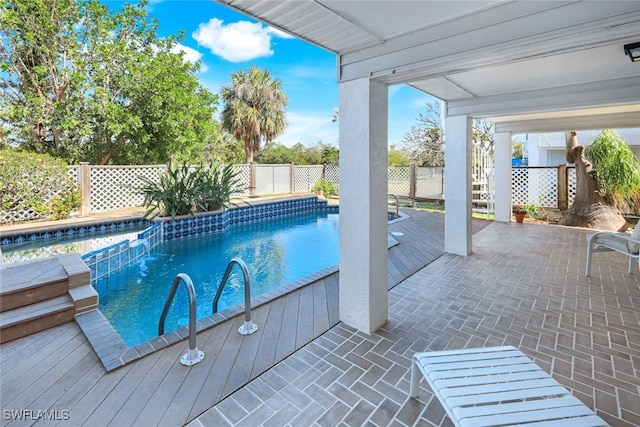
254, 108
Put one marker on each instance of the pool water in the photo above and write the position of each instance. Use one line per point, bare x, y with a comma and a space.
276, 252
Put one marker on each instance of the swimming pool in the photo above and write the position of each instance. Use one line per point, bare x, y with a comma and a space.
79, 240
276, 251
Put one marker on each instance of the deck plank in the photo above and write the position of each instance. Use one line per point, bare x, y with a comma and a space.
320, 308
287, 340
212, 346
304, 332
269, 338
15, 391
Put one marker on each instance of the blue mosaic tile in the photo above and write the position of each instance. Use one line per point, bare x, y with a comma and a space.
33, 237
5, 241
20, 239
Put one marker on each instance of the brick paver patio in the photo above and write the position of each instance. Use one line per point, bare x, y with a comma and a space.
523, 286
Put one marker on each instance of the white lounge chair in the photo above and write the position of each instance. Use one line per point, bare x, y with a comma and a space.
627, 244
498, 386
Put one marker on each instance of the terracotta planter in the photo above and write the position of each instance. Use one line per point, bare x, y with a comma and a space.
519, 217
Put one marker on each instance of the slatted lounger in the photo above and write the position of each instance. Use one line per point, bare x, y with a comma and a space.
498, 386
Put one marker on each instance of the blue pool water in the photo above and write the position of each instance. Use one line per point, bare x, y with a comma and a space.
276, 252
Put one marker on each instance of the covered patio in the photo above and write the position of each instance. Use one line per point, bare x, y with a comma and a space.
529, 66
524, 286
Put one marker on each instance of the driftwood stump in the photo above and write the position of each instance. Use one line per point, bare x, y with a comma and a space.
589, 209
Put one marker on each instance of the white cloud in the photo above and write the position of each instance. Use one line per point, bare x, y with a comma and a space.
190, 55
238, 41
279, 33
309, 128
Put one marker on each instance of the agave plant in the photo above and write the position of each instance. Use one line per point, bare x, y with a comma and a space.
185, 190
216, 184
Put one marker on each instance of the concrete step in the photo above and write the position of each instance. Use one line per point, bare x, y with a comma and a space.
22, 321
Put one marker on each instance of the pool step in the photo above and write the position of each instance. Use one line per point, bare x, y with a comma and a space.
31, 282
37, 317
42, 294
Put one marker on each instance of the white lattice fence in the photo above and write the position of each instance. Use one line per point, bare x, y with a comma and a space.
535, 185
244, 180
72, 172
305, 177
399, 180
572, 184
332, 174
112, 187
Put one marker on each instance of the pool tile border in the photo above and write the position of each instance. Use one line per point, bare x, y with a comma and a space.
241, 213
47, 232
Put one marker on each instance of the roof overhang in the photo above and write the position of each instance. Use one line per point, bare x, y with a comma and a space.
511, 61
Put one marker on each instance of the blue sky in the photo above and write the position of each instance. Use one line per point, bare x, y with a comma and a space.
226, 41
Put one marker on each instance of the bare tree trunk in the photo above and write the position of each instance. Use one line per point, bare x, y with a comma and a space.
589, 208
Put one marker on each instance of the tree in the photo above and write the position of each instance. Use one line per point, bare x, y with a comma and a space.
254, 108
86, 84
424, 142
398, 157
590, 208
618, 170
276, 153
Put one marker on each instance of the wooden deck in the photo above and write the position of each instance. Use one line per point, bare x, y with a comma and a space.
58, 371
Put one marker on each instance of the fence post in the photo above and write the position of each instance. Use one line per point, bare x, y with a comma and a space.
84, 185
292, 177
563, 188
252, 179
412, 182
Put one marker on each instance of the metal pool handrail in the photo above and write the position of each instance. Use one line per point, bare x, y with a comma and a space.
397, 203
248, 327
193, 355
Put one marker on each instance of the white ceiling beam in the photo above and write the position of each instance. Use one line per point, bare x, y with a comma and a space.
416, 56
624, 91
561, 124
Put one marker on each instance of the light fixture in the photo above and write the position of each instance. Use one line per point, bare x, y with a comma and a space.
632, 51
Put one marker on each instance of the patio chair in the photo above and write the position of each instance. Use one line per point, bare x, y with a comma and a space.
627, 244
498, 386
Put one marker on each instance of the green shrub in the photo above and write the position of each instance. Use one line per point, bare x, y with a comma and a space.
185, 190
37, 183
325, 186
617, 170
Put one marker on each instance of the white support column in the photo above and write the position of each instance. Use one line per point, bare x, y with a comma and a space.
458, 182
363, 204
502, 150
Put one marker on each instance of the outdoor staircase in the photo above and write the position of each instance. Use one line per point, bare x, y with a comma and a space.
42, 294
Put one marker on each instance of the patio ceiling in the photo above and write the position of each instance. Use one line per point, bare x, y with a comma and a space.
551, 63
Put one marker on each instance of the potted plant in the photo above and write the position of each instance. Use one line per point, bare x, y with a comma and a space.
323, 187
519, 212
